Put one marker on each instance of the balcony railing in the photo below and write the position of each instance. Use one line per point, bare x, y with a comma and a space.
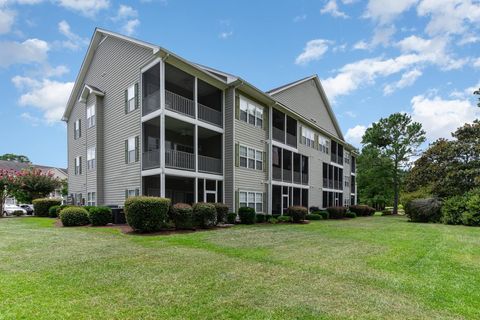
209, 164
151, 103
291, 140
287, 175
209, 115
177, 103
278, 134
277, 173
151, 159
297, 177
179, 159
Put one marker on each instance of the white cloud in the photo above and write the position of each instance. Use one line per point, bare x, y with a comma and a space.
440, 117
407, 79
32, 120
225, 35
351, 114
31, 50
130, 26
384, 13
49, 97
360, 45
354, 135
332, 8
74, 41
125, 12
7, 18
314, 50
381, 36
476, 63
300, 18
88, 8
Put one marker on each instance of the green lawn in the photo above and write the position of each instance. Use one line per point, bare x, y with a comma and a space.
373, 267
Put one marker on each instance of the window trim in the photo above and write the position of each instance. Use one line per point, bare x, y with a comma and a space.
77, 131
255, 202
91, 158
308, 137
248, 158
131, 157
129, 100
135, 190
91, 120
253, 109
91, 198
78, 166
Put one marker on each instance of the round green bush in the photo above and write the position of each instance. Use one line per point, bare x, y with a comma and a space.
222, 211
204, 215
284, 218
323, 213
53, 211
182, 215
260, 218
231, 217
298, 213
350, 215
453, 209
313, 216
146, 214
41, 207
337, 212
424, 210
472, 216
246, 215
74, 216
362, 210
100, 216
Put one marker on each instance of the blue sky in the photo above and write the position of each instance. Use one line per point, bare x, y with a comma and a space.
416, 56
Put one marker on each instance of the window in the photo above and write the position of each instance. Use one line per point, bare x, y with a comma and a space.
251, 158
91, 199
347, 157
323, 144
308, 137
135, 192
347, 181
252, 200
91, 158
78, 165
131, 149
251, 112
77, 131
78, 200
131, 95
91, 116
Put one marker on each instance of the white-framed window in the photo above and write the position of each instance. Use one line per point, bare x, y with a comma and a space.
251, 112
347, 181
131, 98
251, 199
308, 137
91, 155
77, 129
91, 116
78, 165
323, 144
347, 158
134, 192
131, 145
91, 198
251, 158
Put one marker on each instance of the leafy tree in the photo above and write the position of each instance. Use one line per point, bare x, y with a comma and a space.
15, 157
32, 183
478, 93
375, 178
6, 187
397, 138
64, 185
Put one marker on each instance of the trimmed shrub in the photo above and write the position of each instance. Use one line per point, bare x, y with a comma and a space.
472, 216
453, 209
204, 215
182, 215
424, 210
53, 211
74, 216
100, 216
323, 213
284, 219
146, 214
276, 216
261, 217
273, 220
313, 216
350, 215
246, 215
231, 217
222, 211
362, 210
298, 213
88, 208
313, 209
41, 206
336, 212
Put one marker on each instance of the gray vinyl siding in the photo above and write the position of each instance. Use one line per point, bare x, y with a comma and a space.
307, 101
76, 148
115, 66
91, 141
229, 196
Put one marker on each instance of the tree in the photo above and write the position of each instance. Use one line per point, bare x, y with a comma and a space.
32, 183
375, 178
15, 157
6, 187
477, 92
398, 138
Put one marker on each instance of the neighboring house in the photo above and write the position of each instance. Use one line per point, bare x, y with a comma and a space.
144, 121
19, 166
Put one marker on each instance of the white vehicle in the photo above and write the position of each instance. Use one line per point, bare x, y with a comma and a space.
9, 209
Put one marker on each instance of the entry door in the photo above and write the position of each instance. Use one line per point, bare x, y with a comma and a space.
211, 196
284, 203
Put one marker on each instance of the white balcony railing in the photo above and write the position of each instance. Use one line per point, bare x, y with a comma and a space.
209, 164
151, 159
177, 103
179, 159
210, 115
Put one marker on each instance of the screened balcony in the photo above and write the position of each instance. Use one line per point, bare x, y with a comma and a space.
151, 186
209, 151
151, 90
179, 91
209, 103
179, 144
151, 144
179, 189
278, 126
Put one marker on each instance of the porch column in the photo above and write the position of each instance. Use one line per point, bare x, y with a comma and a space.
195, 146
162, 128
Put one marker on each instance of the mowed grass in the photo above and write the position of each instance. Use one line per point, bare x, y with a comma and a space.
364, 268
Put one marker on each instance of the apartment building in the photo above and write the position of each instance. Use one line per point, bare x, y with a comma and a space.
143, 121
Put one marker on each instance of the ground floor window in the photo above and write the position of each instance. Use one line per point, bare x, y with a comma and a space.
134, 192
285, 196
78, 199
91, 199
251, 199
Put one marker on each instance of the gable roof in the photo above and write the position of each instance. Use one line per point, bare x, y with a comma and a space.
19, 166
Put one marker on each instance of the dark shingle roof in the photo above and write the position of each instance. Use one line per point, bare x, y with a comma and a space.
18, 166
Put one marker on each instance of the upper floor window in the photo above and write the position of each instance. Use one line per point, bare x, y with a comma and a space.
252, 200
78, 165
91, 199
91, 116
77, 129
131, 98
323, 144
132, 149
91, 163
251, 112
308, 137
347, 157
251, 158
